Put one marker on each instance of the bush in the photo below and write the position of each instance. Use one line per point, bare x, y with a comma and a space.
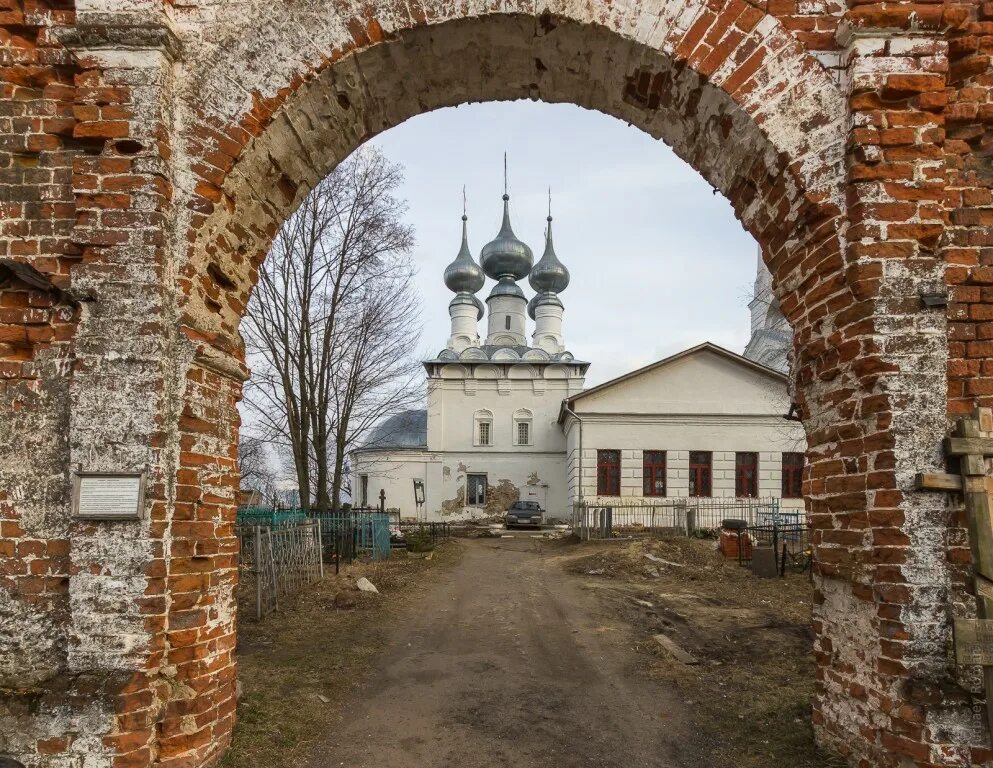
419, 540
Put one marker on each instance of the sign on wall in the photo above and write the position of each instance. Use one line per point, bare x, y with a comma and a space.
418, 492
108, 496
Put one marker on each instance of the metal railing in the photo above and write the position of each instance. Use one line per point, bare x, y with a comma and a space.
277, 561
790, 543
436, 531
675, 515
349, 533
267, 516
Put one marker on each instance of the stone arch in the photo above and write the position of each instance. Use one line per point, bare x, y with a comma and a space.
486, 372
523, 372
735, 95
557, 372
454, 372
235, 113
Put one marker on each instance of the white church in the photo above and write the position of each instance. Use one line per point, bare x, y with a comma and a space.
508, 418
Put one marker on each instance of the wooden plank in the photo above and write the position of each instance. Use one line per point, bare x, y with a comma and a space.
973, 465
963, 446
937, 481
967, 427
984, 588
977, 504
974, 641
675, 650
974, 637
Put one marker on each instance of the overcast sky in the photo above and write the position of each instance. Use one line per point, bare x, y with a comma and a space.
658, 262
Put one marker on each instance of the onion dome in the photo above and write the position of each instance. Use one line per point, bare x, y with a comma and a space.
549, 274
505, 255
464, 274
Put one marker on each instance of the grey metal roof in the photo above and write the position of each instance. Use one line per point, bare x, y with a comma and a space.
464, 275
505, 254
549, 275
408, 429
520, 353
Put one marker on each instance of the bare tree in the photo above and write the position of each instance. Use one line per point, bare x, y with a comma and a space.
332, 323
255, 466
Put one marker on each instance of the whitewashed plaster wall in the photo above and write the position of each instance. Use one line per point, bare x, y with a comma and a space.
521, 474
770, 437
502, 389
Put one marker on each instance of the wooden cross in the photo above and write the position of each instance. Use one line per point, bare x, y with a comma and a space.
972, 444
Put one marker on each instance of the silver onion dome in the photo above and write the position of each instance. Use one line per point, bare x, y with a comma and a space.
464, 273
549, 274
505, 255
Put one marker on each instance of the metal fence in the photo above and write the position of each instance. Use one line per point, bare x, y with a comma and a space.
267, 516
437, 531
277, 561
790, 543
682, 515
348, 533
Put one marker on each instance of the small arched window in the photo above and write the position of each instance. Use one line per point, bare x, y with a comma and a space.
482, 427
523, 427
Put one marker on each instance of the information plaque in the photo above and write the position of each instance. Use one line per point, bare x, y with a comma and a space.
108, 496
973, 641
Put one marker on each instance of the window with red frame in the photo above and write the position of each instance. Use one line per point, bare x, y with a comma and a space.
653, 473
746, 474
701, 464
608, 473
793, 475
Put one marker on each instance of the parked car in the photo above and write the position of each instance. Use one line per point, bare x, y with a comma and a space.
524, 513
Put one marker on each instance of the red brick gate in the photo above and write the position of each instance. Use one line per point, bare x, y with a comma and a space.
150, 150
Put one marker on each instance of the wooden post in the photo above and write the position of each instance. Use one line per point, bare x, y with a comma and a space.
320, 549
972, 444
977, 506
258, 573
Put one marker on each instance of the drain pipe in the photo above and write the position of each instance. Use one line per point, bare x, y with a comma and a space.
575, 415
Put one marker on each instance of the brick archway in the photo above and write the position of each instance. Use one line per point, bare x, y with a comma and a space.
158, 149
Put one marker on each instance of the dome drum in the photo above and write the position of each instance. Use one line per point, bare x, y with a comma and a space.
465, 298
506, 287
541, 300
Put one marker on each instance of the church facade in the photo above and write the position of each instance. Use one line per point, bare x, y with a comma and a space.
508, 417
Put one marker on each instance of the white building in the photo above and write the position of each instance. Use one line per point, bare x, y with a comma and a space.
507, 417
702, 423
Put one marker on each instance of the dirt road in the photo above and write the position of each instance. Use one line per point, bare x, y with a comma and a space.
507, 662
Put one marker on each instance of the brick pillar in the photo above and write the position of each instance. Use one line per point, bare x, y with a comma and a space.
37, 215
153, 601
883, 548
967, 248
119, 392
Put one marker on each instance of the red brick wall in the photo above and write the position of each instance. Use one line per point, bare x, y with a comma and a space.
852, 142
